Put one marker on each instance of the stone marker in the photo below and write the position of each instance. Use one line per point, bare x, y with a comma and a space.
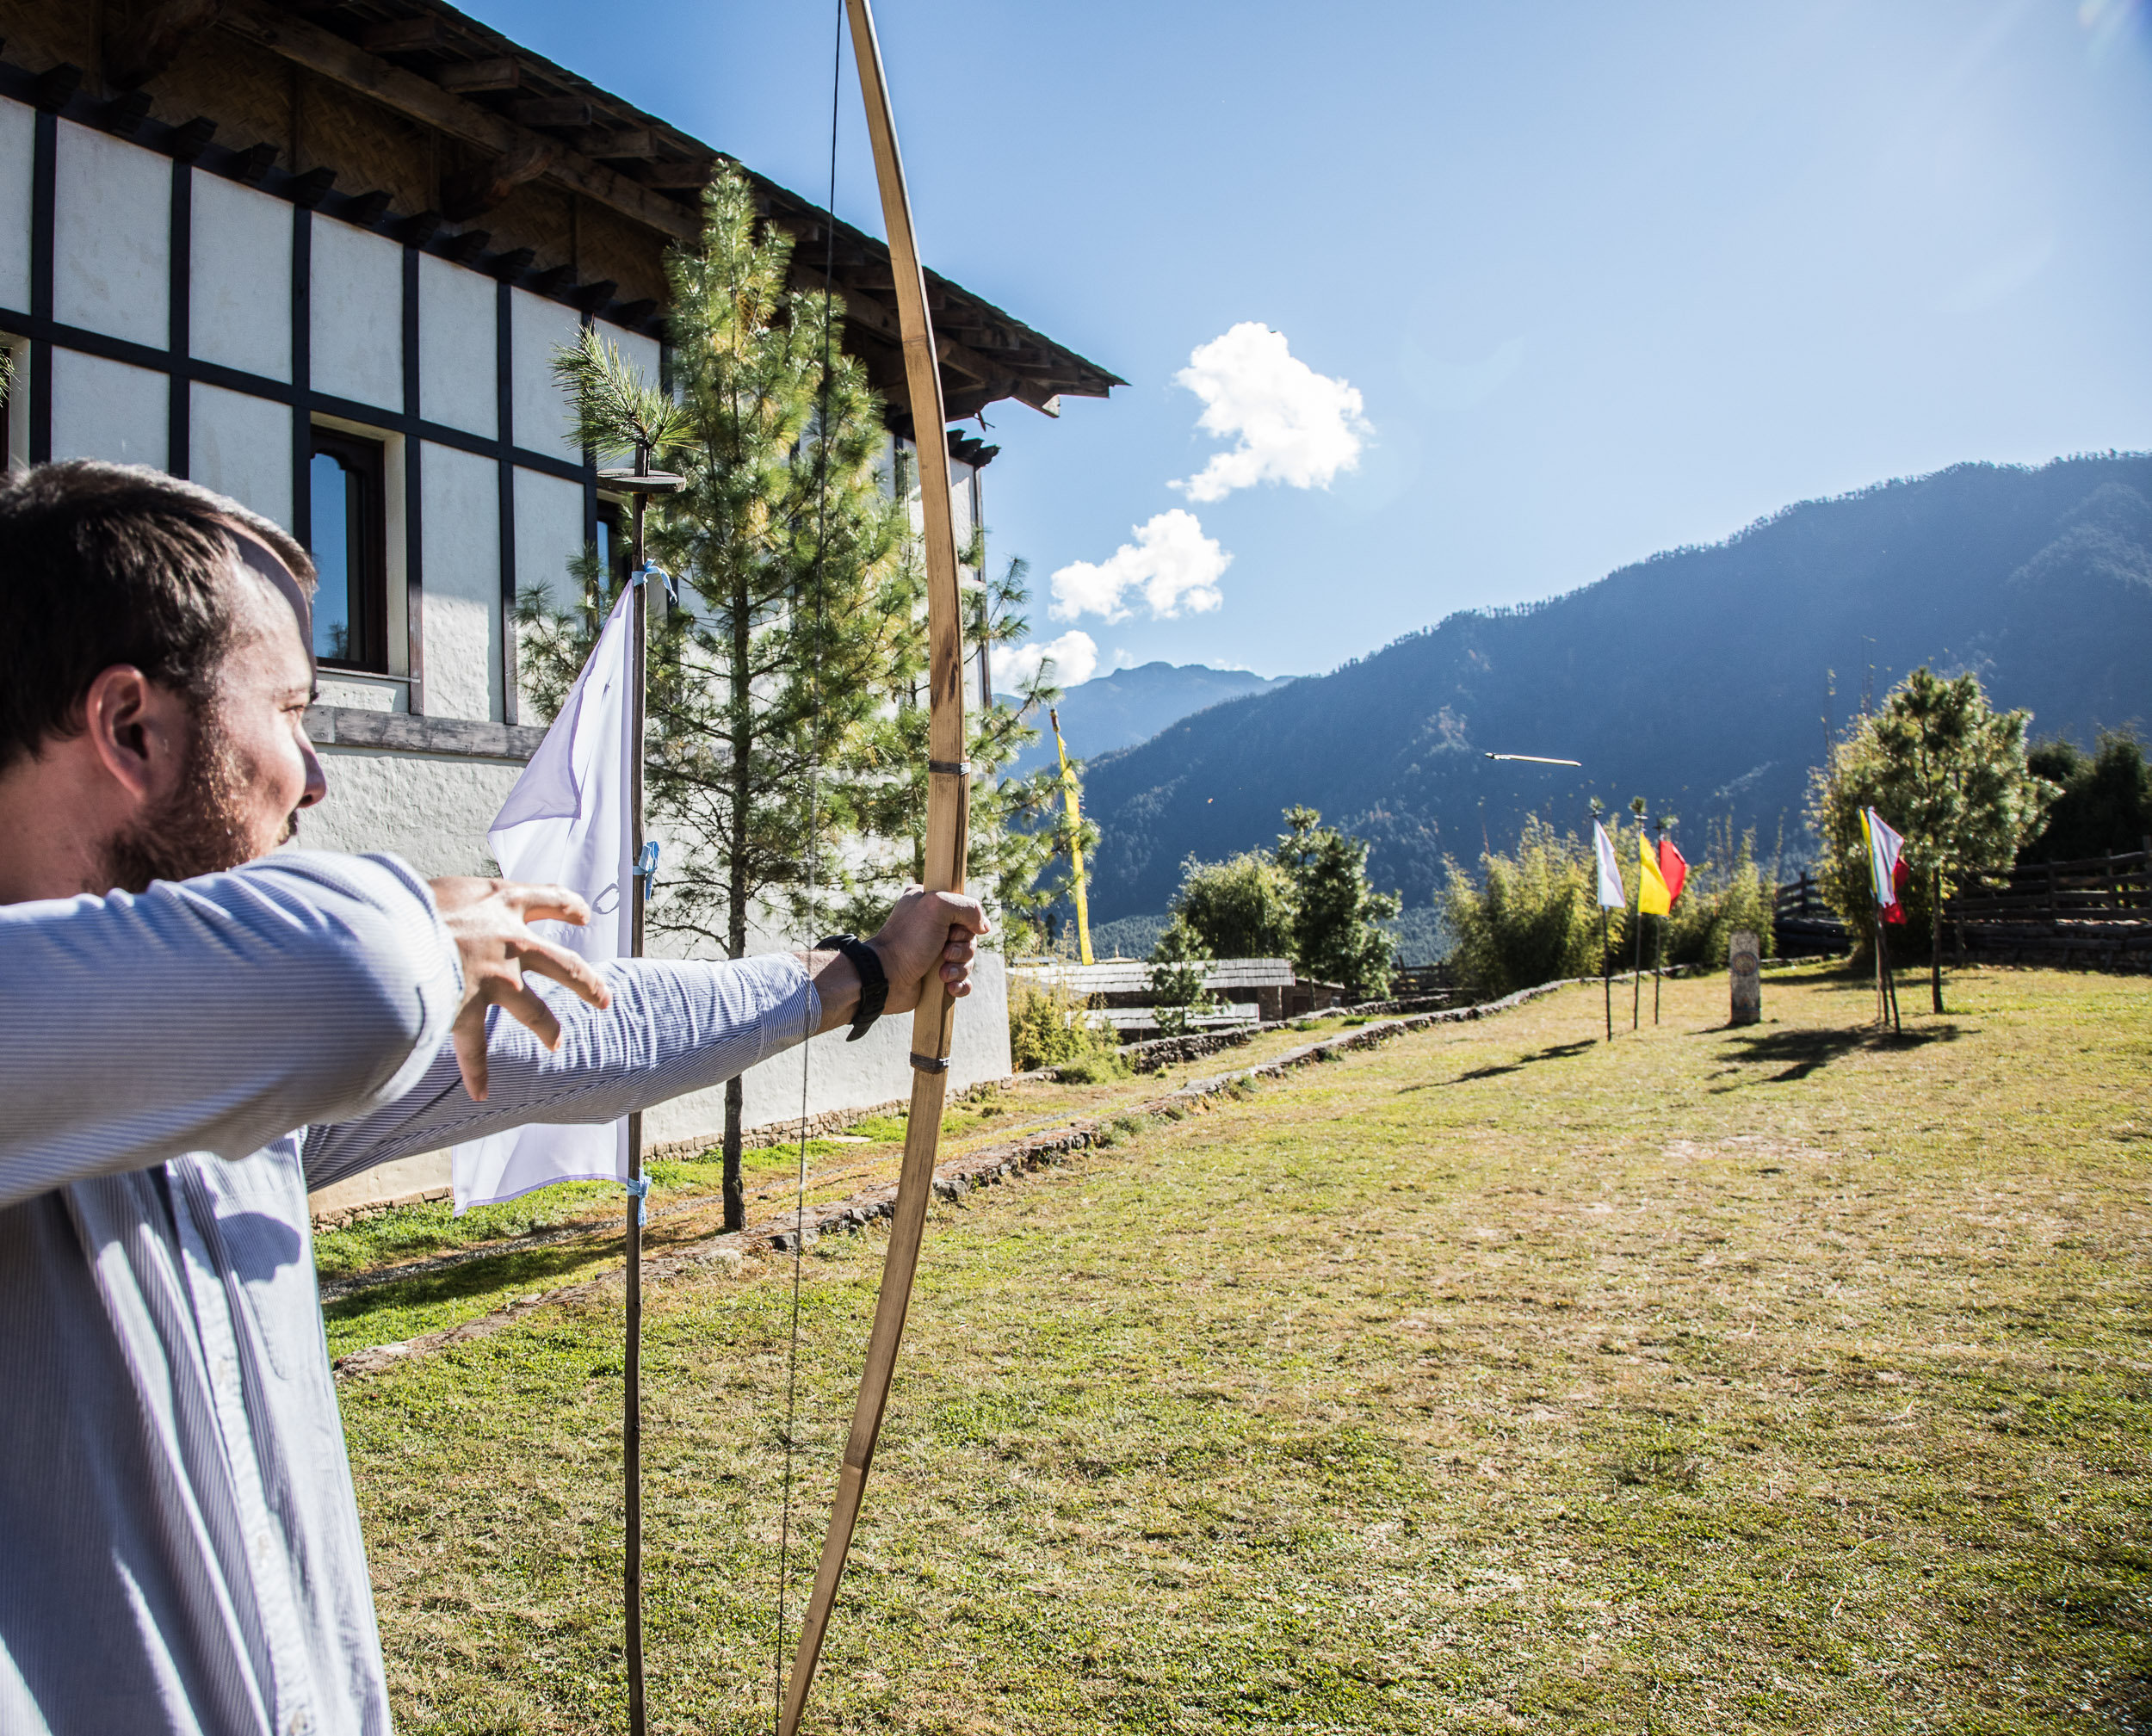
1744, 960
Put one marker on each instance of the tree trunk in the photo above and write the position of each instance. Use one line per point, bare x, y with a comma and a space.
736, 890
1935, 942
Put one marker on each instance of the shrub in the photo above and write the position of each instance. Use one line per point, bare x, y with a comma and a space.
1178, 966
1535, 918
1047, 1028
1725, 893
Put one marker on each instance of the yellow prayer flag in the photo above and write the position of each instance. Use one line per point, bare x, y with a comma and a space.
1652, 899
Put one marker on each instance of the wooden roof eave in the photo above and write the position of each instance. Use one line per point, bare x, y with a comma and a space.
1031, 367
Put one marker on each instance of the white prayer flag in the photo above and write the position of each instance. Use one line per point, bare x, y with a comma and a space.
566, 821
1611, 896
1884, 847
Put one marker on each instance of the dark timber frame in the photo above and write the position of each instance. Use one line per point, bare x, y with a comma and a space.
39, 325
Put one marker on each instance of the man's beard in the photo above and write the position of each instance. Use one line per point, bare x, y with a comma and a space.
200, 828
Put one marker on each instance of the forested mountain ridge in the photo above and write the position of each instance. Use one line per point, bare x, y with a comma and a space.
1701, 678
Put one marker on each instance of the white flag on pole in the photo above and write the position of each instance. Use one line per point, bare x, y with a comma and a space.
1884, 847
566, 821
1611, 896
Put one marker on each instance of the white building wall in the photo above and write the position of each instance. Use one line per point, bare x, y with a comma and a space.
460, 521
356, 296
107, 409
242, 446
239, 297
537, 329
877, 1069
431, 811
18, 139
548, 533
112, 228
458, 345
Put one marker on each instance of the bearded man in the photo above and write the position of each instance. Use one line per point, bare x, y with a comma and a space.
193, 1032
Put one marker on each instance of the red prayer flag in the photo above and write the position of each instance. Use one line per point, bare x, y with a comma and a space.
1901, 878
1672, 868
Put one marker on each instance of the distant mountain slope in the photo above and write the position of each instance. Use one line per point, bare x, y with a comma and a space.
1698, 678
1133, 705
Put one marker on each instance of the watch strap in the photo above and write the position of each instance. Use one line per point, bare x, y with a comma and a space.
873, 982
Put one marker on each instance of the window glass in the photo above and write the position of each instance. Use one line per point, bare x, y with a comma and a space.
332, 488
349, 534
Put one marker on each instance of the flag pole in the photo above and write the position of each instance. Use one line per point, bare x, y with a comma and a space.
638, 484
1636, 962
1890, 984
1606, 972
1659, 929
638, 1188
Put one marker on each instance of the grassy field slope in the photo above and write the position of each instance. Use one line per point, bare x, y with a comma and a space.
1784, 1379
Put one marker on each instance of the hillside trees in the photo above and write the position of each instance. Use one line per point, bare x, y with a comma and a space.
1947, 770
2106, 804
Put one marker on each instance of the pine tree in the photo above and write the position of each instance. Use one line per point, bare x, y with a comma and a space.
796, 595
1338, 917
1949, 771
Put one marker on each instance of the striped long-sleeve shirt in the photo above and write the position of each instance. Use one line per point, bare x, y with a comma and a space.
179, 1543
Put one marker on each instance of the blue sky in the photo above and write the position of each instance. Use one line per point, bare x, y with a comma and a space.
1605, 279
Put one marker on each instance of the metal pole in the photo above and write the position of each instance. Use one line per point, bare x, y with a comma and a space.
1606, 973
1636, 964
1658, 934
631, 1413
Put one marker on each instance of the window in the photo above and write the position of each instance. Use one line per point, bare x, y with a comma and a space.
345, 487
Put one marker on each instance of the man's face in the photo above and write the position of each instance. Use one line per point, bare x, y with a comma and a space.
249, 765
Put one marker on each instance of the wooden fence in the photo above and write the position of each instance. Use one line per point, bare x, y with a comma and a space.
2097, 913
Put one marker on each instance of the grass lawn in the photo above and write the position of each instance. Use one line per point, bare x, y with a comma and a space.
1497, 1379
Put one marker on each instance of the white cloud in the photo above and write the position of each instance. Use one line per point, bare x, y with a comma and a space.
1172, 562
1074, 656
1294, 425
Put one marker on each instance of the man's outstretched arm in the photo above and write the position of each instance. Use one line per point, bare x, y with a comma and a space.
213, 1014
673, 1026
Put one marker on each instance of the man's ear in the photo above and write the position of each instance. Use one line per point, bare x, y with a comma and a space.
138, 730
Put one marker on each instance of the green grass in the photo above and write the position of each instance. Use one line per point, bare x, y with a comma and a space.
1784, 1379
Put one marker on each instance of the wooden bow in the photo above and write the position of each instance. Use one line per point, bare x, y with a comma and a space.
947, 821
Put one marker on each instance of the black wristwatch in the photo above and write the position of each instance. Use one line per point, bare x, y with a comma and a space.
873, 982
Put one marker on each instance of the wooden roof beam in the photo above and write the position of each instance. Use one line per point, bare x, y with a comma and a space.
136, 51
322, 51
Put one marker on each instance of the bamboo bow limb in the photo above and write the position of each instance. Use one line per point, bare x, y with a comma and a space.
948, 820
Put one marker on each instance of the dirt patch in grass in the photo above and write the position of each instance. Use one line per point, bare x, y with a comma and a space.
1497, 1379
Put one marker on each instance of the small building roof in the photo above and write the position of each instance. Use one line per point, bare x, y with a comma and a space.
1132, 976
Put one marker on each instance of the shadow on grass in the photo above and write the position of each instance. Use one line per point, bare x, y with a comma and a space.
524, 1270
1800, 1053
1558, 1052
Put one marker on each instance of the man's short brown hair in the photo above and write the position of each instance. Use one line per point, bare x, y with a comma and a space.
108, 564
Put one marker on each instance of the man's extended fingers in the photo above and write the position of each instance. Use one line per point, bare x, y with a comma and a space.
546, 903
565, 967
467, 1036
